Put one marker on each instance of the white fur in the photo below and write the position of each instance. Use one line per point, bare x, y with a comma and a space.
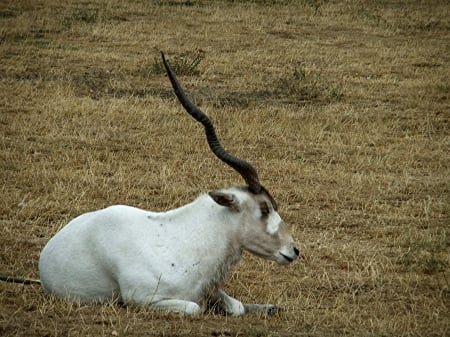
173, 260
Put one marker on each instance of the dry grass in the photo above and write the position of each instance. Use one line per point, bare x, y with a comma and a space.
344, 108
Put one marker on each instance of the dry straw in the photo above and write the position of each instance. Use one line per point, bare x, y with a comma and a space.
342, 106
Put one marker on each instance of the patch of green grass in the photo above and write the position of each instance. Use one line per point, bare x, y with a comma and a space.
316, 5
397, 18
97, 83
183, 3
17, 37
7, 14
183, 65
302, 85
425, 255
263, 2
81, 15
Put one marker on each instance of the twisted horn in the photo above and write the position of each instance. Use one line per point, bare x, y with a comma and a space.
246, 170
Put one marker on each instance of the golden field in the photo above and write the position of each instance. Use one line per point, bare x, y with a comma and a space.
342, 106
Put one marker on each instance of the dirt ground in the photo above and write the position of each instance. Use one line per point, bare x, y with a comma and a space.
342, 106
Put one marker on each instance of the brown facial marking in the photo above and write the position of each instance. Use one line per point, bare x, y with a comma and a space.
265, 209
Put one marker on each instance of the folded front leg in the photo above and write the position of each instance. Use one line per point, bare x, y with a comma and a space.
224, 303
179, 306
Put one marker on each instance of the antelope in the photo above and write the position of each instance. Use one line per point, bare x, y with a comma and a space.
175, 260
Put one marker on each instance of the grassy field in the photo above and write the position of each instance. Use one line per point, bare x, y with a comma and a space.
343, 107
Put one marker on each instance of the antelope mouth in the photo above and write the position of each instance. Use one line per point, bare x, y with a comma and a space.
288, 258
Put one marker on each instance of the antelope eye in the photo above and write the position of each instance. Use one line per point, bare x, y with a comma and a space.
265, 209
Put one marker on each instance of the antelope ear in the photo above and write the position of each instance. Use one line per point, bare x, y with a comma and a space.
225, 199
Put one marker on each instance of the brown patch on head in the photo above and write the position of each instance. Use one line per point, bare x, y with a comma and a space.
272, 200
265, 208
263, 192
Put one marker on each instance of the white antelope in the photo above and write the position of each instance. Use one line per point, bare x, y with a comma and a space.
175, 260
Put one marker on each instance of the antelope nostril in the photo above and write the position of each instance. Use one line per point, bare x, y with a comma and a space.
296, 251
